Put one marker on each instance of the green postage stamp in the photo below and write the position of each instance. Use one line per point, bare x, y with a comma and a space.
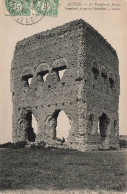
32, 7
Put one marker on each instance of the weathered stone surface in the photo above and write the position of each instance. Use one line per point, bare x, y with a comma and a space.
88, 92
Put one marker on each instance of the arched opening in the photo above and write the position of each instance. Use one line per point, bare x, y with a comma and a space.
61, 73
45, 77
27, 75
42, 72
60, 66
111, 81
63, 126
103, 126
59, 126
27, 80
95, 70
32, 126
42, 76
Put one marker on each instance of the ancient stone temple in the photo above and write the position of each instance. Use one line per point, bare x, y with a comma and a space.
88, 92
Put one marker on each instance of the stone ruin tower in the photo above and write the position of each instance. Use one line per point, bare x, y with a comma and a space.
88, 92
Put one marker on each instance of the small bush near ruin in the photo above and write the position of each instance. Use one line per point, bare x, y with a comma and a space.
123, 143
5, 145
20, 144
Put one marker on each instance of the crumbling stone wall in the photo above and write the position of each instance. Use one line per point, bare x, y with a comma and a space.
88, 92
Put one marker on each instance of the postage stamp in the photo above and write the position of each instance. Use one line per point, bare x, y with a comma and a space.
28, 12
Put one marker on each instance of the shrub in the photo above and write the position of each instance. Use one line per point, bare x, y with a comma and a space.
40, 144
123, 143
5, 145
113, 148
19, 144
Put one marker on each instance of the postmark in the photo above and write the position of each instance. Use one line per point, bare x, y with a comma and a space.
27, 20
28, 12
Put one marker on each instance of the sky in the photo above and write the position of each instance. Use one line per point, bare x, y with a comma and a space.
110, 23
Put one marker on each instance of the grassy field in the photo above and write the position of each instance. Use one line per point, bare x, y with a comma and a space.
57, 169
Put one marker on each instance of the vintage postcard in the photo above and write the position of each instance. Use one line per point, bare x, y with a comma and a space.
63, 96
